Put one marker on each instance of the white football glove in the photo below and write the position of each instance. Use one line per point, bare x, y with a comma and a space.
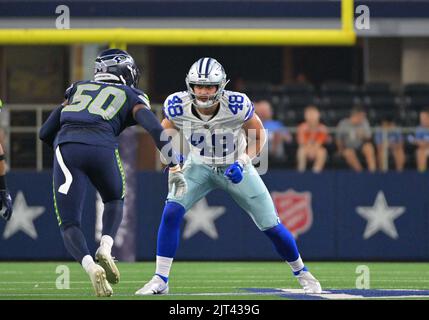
177, 179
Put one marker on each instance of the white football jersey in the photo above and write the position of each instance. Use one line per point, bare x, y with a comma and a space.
219, 140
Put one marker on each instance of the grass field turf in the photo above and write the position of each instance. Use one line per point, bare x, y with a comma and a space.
203, 280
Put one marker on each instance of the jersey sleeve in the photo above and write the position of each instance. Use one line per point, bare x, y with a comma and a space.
249, 108
173, 107
135, 97
240, 104
165, 107
70, 90
139, 97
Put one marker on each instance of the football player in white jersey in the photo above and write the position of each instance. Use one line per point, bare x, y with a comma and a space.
217, 124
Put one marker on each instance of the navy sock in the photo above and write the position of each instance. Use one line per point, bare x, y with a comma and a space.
112, 217
284, 242
75, 242
169, 229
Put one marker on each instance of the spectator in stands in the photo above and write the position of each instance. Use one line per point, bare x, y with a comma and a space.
354, 135
389, 138
311, 137
278, 133
422, 140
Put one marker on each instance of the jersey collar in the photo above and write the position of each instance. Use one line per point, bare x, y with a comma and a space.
195, 113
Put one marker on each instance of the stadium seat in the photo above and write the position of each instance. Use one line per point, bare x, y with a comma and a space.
338, 95
416, 96
378, 95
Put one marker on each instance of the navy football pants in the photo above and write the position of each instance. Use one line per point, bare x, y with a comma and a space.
74, 165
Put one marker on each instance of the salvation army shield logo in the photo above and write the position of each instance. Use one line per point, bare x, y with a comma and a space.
294, 210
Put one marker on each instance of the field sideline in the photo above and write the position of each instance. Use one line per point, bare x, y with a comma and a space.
210, 280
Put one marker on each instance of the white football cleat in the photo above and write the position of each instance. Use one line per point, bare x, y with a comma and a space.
98, 278
309, 283
155, 286
104, 259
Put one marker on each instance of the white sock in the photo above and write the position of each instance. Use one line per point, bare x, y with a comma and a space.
297, 264
87, 262
163, 266
106, 241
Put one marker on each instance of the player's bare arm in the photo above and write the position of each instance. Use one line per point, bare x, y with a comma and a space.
167, 124
256, 136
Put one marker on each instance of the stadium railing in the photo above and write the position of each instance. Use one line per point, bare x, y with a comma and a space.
26, 120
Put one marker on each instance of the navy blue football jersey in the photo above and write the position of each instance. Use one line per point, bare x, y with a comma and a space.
97, 112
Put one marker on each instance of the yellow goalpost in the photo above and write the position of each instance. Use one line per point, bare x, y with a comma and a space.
119, 37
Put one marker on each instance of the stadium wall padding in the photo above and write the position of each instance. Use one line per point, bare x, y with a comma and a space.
337, 215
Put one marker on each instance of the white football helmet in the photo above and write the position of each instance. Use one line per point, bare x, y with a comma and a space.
206, 71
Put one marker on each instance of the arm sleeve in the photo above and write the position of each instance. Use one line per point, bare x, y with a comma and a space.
70, 90
49, 129
148, 120
249, 108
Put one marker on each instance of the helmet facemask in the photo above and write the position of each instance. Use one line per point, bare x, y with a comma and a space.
212, 99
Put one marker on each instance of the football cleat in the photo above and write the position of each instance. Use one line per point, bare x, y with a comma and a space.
155, 286
105, 260
308, 282
98, 278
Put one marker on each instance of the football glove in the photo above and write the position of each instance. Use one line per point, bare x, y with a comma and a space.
234, 172
177, 180
5, 205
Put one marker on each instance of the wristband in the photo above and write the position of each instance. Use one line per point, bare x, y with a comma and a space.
244, 159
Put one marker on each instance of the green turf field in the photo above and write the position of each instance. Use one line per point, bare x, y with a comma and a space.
206, 280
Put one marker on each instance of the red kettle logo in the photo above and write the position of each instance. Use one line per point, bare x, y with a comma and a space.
294, 210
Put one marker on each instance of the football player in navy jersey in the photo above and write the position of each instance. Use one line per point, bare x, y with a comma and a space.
5, 199
83, 132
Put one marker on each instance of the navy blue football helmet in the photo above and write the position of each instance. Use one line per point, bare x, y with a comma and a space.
115, 65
